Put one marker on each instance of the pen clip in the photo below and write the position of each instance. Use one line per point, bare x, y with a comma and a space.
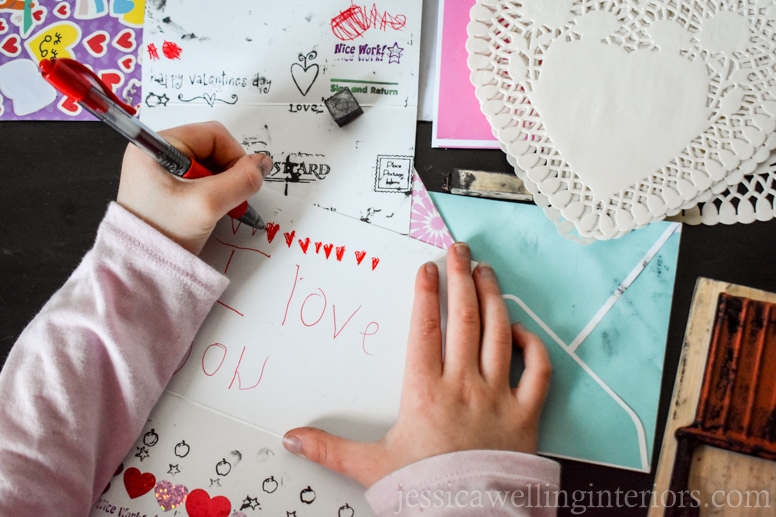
74, 80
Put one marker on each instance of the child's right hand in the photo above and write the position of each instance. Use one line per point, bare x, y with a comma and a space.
187, 210
462, 402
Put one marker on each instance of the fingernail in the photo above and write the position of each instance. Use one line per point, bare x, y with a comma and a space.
265, 165
293, 444
463, 251
431, 269
486, 271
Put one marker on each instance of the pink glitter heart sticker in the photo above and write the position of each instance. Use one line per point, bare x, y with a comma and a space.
170, 496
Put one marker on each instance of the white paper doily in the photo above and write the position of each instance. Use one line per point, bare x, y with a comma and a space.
620, 113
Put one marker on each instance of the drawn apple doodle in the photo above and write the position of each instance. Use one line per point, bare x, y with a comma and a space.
346, 511
182, 449
223, 467
307, 496
269, 485
151, 438
305, 75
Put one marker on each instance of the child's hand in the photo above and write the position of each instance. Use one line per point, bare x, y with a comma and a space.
463, 402
188, 210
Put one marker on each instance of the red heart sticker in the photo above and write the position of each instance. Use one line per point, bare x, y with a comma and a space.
39, 14
138, 483
199, 504
304, 244
360, 256
125, 40
272, 230
97, 43
112, 78
69, 106
128, 63
10, 46
3, 26
62, 10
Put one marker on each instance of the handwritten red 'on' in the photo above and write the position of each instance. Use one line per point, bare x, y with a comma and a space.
289, 237
272, 230
375, 261
199, 504
340, 253
138, 483
360, 256
304, 244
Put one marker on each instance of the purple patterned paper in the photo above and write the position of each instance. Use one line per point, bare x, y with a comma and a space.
103, 34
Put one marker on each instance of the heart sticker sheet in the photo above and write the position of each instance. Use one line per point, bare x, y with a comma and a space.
619, 114
103, 35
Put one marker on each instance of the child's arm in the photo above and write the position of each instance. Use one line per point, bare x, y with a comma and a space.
464, 439
81, 380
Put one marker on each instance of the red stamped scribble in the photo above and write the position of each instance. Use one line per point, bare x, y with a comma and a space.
171, 50
375, 261
340, 253
153, 52
304, 244
272, 230
360, 256
289, 237
354, 21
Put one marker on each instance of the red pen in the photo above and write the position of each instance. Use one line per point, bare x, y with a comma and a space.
76, 81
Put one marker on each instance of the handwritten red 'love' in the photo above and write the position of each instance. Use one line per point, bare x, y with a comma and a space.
199, 504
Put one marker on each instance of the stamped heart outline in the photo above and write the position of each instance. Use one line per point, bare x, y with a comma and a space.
304, 75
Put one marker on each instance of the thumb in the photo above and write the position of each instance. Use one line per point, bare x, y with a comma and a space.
231, 187
356, 460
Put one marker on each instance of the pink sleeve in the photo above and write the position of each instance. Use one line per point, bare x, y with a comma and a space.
496, 483
84, 375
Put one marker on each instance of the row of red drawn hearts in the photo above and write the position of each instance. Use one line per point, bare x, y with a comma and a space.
326, 248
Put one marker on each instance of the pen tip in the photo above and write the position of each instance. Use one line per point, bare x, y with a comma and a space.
251, 218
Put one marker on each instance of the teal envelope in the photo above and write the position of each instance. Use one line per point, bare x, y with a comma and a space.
601, 309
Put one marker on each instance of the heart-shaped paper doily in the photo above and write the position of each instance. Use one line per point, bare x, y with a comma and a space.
616, 114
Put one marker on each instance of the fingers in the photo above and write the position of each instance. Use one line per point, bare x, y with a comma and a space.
231, 187
496, 352
208, 142
355, 460
535, 381
424, 346
462, 345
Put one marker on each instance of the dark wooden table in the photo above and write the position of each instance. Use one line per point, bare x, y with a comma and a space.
56, 179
